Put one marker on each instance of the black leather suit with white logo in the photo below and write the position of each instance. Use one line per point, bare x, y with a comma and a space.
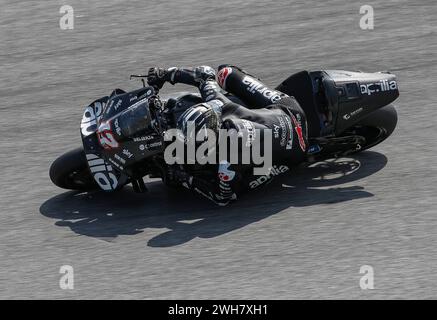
236, 100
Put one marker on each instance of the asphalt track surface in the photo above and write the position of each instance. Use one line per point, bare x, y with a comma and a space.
306, 236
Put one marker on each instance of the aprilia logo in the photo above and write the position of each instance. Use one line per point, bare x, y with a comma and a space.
381, 86
256, 86
102, 172
274, 171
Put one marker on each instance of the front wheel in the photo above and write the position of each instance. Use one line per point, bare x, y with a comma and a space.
70, 171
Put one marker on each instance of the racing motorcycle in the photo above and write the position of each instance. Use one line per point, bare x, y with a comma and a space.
356, 107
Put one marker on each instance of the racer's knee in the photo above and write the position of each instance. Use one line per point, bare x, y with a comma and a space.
248, 88
293, 122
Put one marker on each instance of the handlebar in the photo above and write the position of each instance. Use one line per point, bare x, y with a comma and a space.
142, 77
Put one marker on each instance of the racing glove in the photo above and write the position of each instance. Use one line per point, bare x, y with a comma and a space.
156, 77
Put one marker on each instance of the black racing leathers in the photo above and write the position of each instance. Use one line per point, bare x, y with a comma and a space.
263, 108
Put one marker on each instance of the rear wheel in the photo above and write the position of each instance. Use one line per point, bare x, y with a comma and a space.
367, 133
376, 127
70, 171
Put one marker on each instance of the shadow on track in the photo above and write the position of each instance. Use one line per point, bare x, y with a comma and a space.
187, 216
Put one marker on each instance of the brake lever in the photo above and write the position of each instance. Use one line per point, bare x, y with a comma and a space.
141, 76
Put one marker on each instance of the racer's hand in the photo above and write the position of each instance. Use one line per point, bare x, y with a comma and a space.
156, 77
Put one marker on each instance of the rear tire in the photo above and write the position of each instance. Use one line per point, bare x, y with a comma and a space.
376, 127
70, 171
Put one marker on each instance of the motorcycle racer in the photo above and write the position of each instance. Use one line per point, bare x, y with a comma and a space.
263, 108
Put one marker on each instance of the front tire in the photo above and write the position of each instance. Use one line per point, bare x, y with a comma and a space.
70, 171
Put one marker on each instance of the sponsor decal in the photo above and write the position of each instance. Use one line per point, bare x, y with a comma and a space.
127, 153
223, 75
347, 116
224, 174
276, 129
136, 104
143, 138
314, 149
286, 135
102, 172
117, 165
120, 159
155, 144
106, 136
274, 171
381, 86
251, 132
289, 145
117, 127
91, 116
254, 86
148, 146
118, 104
283, 131
113, 107
298, 127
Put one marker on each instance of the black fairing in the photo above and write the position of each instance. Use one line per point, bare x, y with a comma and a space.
120, 100
306, 88
348, 96
353, 95
128, 119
